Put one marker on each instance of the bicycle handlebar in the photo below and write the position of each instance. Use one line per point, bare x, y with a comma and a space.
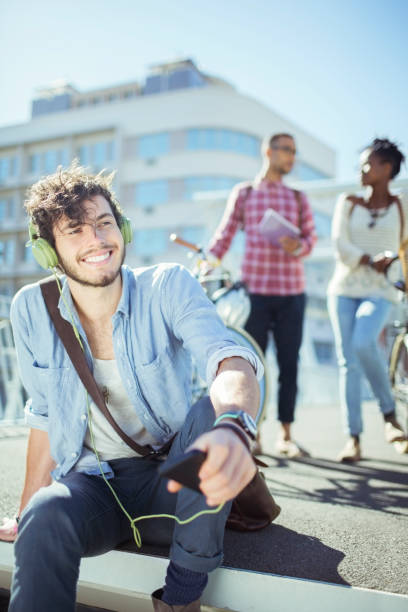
182, 242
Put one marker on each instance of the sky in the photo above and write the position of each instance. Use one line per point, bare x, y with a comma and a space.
336, 69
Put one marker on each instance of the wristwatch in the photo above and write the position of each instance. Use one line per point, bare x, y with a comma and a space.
241, 418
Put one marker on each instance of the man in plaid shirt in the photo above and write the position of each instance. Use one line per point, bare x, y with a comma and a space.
274, 275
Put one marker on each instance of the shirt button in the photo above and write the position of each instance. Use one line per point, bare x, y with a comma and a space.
73, 455
58, 465
83, 417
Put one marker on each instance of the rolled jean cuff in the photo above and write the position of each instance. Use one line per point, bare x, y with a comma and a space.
193, 562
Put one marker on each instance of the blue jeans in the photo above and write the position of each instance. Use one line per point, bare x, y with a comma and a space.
357, 323
79, 517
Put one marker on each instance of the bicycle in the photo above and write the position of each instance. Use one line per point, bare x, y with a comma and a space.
398, 360
232, 303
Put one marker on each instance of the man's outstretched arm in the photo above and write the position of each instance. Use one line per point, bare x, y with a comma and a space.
229, 466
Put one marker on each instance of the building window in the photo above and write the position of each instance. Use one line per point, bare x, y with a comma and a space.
6, 209
196, 235
304, 172
150, 193
100, 154
211, 139
34, 163
7, 251
195, 184
27, 253
48, 161
8, 168
84, 155
153, 145
6, 288
323, 224
97, 155
149, 242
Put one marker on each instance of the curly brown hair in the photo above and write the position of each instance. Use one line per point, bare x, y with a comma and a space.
63, 193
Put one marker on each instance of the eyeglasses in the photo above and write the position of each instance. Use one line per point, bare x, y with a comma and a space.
285, 149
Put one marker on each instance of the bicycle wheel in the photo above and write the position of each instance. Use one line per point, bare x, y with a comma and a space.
241, 337
398, 372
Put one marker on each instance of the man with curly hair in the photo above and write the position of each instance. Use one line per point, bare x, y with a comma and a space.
138, 329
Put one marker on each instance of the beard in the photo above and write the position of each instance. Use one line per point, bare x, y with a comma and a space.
104, 281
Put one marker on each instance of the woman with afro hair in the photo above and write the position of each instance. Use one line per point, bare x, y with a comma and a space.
359, 296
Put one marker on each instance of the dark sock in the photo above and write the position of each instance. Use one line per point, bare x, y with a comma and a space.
356, 438
390, 416
183, 585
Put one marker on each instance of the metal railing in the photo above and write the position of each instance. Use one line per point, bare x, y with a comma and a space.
11, 390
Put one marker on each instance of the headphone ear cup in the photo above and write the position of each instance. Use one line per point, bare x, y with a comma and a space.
44, 254
126, 230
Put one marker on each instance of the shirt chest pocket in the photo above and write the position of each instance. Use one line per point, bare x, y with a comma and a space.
53, 384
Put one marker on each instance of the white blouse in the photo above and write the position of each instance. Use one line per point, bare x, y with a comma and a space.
353, 237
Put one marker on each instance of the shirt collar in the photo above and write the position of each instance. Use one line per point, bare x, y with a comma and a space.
124, 302
66, 298
260, 181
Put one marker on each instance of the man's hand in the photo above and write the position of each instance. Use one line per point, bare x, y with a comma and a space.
290, 245
8, 530
228, 468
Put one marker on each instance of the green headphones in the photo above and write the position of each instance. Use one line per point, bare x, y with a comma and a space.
46, 256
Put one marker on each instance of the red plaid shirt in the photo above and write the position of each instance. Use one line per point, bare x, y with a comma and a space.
266, 269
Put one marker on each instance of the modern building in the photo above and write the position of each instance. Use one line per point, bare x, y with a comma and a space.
178, 133
178, 142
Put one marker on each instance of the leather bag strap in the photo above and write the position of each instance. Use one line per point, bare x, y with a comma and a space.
66, 334
298, 198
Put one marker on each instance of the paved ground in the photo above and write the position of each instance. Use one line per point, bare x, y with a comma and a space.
341, 524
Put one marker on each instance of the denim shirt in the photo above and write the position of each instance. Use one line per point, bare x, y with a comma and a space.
162, 319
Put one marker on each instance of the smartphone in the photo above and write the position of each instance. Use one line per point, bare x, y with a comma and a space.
184, 469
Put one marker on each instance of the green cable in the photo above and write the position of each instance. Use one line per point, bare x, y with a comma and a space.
132, 521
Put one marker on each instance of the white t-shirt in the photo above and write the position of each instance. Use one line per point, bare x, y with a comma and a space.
353, 237
107, 442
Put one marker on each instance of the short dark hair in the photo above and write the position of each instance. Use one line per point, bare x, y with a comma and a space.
388, 151
275, 137
63, 193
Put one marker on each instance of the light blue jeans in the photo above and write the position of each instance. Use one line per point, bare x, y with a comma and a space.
357, 323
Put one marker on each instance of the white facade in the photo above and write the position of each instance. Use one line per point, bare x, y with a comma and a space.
178, 143
180, 133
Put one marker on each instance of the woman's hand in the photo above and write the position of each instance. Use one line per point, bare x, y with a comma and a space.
381, 262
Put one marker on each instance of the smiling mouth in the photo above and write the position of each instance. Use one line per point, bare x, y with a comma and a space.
97, 259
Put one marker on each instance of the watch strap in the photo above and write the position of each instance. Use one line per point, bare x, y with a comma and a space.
238, 416
226, 415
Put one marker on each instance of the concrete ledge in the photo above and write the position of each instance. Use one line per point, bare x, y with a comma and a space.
123, 581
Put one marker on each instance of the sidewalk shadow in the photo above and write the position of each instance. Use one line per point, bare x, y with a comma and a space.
283, 551
275, 549
359, 485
